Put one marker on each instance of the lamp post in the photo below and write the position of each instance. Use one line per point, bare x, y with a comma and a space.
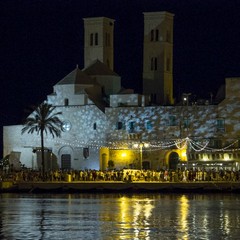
140, 151
140, 146
186, 98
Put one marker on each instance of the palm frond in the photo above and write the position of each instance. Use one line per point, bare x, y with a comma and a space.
44, 118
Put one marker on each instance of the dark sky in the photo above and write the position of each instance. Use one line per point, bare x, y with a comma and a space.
42, 41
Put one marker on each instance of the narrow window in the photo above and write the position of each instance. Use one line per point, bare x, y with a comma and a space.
157, 35
96, 39
66, 102
220, 125
152, 35
152, 64
86, 152
91, 39
119, 125
94, 126
103, 90
155, 63
131, 126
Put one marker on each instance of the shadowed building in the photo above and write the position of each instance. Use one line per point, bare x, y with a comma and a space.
158, 57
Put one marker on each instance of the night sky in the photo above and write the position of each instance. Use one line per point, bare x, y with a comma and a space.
42, 41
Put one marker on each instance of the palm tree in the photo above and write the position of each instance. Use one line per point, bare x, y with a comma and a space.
43, 119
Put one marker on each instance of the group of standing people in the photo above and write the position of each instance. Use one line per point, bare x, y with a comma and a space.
126, 175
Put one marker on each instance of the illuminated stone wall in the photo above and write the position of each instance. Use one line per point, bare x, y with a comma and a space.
119, 100
110, 133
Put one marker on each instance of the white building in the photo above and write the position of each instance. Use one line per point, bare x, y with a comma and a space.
104, 123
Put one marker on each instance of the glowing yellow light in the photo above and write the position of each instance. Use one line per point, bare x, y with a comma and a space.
205, 157
146, 145
226, 156
124, 154
135, 145
184, 154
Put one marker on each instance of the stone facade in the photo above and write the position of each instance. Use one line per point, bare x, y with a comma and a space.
103, 123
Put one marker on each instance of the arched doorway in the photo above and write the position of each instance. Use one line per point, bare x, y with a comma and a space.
66, 161
66, 153
173, 160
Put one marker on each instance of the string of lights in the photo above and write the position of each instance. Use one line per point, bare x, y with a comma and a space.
152, 145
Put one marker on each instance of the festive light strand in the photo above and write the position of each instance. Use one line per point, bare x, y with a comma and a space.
180, 144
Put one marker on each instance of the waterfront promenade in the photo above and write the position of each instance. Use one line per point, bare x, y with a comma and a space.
127, 180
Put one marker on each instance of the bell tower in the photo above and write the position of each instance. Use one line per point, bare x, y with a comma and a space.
158, 57
98, 41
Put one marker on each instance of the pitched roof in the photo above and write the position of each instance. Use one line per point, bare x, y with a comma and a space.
98, 68
77, 77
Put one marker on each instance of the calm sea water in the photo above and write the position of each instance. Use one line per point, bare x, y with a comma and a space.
120, 216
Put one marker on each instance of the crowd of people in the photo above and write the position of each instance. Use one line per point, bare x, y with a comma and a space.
125, 175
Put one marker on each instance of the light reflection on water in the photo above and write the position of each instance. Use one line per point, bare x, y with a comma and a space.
119, 216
